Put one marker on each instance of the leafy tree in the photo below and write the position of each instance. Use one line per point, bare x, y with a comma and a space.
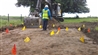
69, 6
26, 3
73, 6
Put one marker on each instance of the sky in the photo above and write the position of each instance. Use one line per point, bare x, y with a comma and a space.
8, 7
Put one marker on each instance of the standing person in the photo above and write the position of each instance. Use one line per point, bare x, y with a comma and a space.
46, 15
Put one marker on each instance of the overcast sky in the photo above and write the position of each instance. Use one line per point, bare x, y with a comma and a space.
8, 6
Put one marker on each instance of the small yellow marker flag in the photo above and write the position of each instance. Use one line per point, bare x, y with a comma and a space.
82, 39
57, 32
83, 25
79, 29
66, 29
27, 39
53, 25
23, 28
40, 26
52, 32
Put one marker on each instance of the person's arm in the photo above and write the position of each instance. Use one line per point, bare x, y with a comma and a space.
49, 13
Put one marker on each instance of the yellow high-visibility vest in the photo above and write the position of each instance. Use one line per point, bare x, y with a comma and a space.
45, 14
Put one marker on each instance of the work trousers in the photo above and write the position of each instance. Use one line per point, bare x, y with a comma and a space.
45, 23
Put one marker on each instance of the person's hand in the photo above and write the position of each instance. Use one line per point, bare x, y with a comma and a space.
50, 18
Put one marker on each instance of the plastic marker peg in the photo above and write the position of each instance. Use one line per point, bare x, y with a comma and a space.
57, 32
82, 39
52, 33
53, 25
88, 30
7, 30
27, 39
79, 29
83, 26
23, 28
40, 26
66, 29
14, 50
59, 28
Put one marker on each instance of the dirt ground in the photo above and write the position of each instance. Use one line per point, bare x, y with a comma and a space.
41, 43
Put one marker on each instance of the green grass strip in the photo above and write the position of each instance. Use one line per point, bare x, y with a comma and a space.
79, 20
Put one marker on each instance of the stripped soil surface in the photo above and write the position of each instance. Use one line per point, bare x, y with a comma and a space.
41, 43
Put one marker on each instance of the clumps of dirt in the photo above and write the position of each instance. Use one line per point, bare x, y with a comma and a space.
91, 25
50, 25
93, 34
9, 27
55, 22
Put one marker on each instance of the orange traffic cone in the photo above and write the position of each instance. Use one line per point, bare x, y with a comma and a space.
59, 28
7, 30
88, 30
10, 24
14, 50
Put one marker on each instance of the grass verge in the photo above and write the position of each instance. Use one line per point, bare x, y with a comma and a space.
79, 20
14, 20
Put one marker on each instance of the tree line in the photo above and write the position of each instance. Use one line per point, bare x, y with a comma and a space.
68, 6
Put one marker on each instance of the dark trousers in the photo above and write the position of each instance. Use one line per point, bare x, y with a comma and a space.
45, 23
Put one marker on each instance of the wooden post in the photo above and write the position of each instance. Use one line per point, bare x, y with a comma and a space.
8, 17
21, 17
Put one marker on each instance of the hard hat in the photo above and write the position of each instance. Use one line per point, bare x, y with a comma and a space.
46, 5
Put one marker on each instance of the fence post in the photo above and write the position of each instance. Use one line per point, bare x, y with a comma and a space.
8, 17
21, 17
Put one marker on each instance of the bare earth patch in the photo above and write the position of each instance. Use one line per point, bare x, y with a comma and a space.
41, 43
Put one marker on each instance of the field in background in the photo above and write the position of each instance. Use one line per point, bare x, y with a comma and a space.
14, 20
78, 20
